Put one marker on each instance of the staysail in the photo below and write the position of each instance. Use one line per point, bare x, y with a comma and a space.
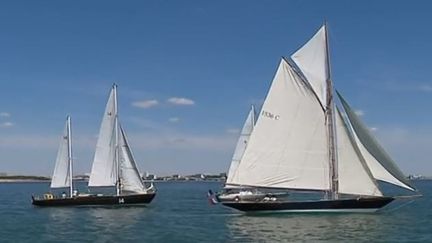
288, 146
241, 144
104, 171
354, 175
62, 174
380, 163
129, 174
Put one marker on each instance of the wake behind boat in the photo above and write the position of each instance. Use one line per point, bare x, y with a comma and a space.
303, 142
113, 166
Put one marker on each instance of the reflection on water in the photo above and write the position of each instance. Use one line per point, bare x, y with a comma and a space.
109, 223
310, 227
181, 213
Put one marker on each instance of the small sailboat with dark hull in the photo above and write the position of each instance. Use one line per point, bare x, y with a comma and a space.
62, 177
303, 142
113, 167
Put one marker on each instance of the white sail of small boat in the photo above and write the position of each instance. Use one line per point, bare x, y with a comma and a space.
62, 176
129, 174
113, 166
104, 169
303, 142
241, 144
113, 163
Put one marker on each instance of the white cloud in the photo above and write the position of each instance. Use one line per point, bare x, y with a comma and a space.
232, 131
373, 129
6, 124
5, 114
174, 119
359, 112
180, 101
408, 86
145, 104
425, 88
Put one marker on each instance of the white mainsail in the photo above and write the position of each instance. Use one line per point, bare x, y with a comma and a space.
354, 175
312, 61
241, 144
129, 174
288, 146
62, 171
104, 169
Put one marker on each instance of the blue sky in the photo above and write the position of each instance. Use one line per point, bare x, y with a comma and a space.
214, 59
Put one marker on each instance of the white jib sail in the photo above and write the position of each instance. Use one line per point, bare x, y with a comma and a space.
241, 144
288, 147
104, 171
354, 176
129, 174
378, 169
312, 61
61, 175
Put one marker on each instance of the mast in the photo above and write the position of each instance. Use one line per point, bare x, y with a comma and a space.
116, 139
333, 171
69, 141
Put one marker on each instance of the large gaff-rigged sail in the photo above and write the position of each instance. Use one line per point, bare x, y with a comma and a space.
104, 171
241, 144
354, 175
62, 175
288, 147
380, 163
129, 174
312, 59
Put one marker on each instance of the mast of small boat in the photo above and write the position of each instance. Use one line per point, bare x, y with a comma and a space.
116, 139
333, 175
69, 141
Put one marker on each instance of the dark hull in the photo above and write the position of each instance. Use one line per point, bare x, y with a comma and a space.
342, 205
132, 199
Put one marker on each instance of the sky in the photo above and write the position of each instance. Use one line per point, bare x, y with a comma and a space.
188, 71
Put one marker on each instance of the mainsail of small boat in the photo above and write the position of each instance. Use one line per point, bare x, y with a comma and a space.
62, 176
114, 164
302, 141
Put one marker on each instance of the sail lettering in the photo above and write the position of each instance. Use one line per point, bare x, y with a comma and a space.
270, 115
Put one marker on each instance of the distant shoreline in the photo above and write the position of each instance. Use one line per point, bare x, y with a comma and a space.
21, 180
38, 181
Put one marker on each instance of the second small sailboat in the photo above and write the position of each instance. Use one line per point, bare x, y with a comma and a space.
113, 167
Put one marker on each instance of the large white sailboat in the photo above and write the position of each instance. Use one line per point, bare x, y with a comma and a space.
113, 166
303, 142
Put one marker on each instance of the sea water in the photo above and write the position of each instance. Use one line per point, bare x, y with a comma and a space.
181, 213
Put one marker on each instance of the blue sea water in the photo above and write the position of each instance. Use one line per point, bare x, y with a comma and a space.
181, 213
